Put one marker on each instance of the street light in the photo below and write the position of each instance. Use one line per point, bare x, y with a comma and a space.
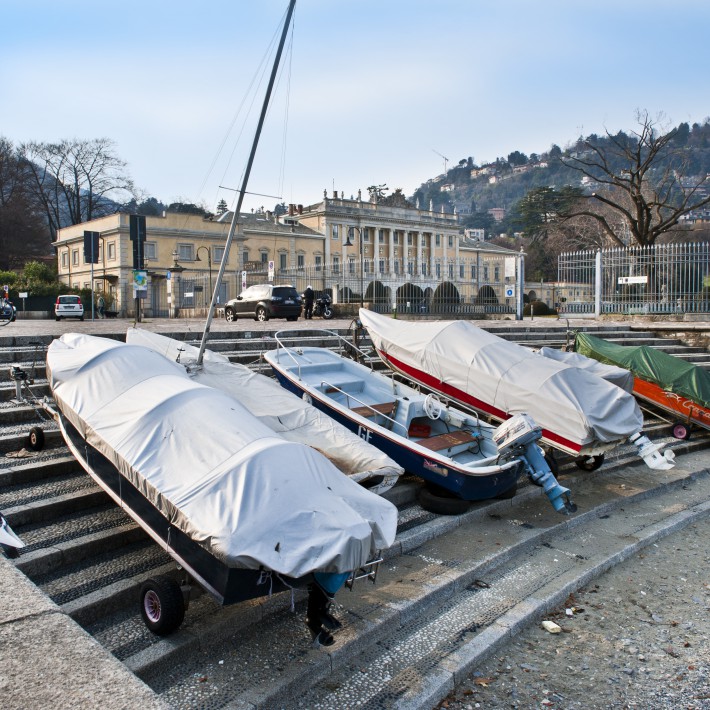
209, 264
348, 243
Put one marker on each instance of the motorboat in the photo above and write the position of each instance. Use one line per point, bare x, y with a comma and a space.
454, 452
580, 413
616, 375
288, 416
680, 389
243, 511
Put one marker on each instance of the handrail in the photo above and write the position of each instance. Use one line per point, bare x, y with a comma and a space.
341, 342
350, 396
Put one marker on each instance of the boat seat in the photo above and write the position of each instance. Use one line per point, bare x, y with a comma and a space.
448, 440
386, 408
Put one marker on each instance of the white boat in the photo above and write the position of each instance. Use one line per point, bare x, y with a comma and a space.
288, 416
244, 511
453, 451
580, 413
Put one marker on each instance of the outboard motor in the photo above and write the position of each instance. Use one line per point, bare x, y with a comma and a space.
518, 436
9, 542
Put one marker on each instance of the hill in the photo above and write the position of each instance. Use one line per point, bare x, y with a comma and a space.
473, 190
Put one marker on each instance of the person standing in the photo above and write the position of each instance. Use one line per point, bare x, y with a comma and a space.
101, 305
308, 297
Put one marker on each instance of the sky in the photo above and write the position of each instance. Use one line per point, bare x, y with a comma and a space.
370, 92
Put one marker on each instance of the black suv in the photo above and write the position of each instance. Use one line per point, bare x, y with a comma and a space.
265, 301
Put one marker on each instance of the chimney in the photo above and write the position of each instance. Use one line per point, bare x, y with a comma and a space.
291, 210
300, 209
335, 194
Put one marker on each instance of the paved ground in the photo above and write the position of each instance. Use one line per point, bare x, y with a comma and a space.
638, 637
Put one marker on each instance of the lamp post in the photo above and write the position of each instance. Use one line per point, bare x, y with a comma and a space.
209, 263
348, 243
177, 269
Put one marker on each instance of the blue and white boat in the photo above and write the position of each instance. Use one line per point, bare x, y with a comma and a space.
456, 453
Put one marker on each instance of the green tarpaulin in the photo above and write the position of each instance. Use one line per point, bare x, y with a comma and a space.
670, 373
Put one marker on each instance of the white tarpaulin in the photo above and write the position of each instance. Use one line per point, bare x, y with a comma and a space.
616, 375
577, 407
281, 410
212, 469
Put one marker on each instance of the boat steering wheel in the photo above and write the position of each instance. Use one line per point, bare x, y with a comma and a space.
433, 407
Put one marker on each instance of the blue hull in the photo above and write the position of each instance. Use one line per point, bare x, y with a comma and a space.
446, 475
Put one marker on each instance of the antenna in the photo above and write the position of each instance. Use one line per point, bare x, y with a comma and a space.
446, 160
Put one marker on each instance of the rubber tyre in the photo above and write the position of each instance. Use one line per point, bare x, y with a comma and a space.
57, 318
162, 605
261, 314
589, 463
552, 462
681, 431
433, 502
11, 552
35, 439
328, 313
229, 314
81, 317
510, 493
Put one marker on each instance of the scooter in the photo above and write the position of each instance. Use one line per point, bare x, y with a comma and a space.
322, 307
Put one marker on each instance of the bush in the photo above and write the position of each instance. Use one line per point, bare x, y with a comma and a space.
538, 308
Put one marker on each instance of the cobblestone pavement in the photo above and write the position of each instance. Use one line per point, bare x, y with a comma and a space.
637, 637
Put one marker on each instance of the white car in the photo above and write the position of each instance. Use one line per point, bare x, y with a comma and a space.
69, 306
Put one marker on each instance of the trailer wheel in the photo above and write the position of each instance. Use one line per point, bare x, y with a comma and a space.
439, 501
35, 439
589, 463
510, 493
552, 462
162, 605
681, 431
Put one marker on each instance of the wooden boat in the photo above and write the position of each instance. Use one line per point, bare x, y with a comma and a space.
242, 510
579, 413
286, 415
678, 388
453, 451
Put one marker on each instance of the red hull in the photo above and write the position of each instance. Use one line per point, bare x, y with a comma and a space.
686, 410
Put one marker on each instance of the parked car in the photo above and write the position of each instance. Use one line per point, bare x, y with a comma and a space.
265, 301
69, 307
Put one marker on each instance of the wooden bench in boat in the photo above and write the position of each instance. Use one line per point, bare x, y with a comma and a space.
447, 441
386, 408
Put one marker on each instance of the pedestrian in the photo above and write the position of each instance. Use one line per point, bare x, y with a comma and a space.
308, 297
101, 304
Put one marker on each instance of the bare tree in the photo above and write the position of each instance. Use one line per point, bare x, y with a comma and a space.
23, 233
76, 181
643, 179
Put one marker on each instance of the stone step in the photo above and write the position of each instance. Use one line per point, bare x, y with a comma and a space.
267, 664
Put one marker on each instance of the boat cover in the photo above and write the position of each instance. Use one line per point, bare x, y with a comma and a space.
568, 403
668, 372
616, 375
214, 471
281, 410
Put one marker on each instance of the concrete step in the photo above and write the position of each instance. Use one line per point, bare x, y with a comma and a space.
422, 609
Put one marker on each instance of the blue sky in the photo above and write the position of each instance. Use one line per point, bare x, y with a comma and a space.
374, 88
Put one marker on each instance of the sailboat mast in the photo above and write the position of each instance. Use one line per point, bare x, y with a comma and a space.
247, 172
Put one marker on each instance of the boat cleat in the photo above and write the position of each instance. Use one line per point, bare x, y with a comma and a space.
651, 453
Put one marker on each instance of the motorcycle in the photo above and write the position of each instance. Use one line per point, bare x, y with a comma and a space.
322, 307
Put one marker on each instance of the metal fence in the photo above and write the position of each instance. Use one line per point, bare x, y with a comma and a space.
664, 278
466, 286
469, 286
